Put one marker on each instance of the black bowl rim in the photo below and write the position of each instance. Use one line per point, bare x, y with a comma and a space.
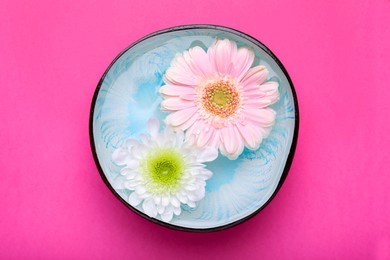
289, 158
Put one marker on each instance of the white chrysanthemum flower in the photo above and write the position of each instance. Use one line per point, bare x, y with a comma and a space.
163, 171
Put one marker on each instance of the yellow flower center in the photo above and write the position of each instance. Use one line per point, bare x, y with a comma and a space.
220, 98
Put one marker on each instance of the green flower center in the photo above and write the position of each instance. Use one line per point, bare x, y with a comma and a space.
162, 170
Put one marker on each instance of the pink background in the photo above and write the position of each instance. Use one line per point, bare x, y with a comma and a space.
335, 203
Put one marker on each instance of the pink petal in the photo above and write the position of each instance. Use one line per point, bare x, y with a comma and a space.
258, 103
221, 55
180, 72
170, 90
241, 145
269, 86
189, 122
172, 104
214, 140
205, 132
254, 93
189, 97
242, 62
231, 139
181, 116
177, 76
201, 61
255, 76
193, 129
222, 148
251, 135
264, 116
271, 90
257, 99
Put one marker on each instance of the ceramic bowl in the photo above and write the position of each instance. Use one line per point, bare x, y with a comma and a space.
127, 96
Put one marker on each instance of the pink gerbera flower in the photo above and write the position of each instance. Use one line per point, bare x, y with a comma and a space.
219, 98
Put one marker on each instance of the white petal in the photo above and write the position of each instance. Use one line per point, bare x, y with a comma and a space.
118, 183
149, 208
157, 200
169, 133
191, 204
177, 211
152, 127
144, 139
208, 154
205, 174
195, 195
174, 201
182, 198
160, 209
199, 193
179, 139
131, 142
189, 141
191, 187
120, 156
131, 185
139, 151
140, 190
132, 164
168, 214
134, 199
165, 200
